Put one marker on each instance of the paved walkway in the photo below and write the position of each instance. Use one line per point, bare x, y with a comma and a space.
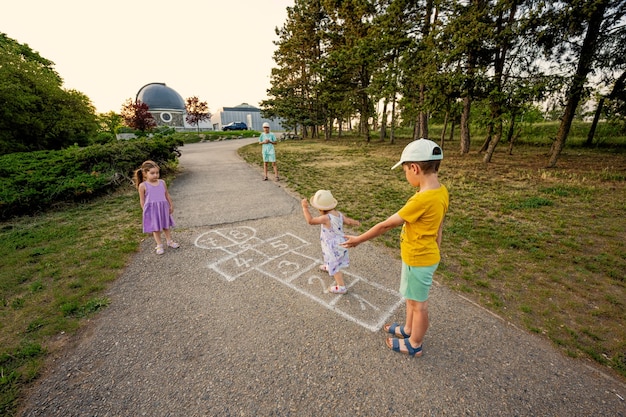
236, 323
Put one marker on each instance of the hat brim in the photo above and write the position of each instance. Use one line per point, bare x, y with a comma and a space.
396, 165
319, 207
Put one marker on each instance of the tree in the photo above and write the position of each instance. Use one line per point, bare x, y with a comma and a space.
336, 58
109, 122
36, 112
293, 94
574, 32
354, 48
197, 111
612, 67
515, 77
391, 30
137, 116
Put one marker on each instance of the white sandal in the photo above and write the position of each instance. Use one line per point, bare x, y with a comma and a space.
337, 289
160, 250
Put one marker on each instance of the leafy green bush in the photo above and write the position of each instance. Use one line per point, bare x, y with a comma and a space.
32, 181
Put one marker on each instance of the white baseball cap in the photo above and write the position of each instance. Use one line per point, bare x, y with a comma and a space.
266, 124
420, 150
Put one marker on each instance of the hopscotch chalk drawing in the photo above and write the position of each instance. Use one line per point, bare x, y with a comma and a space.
236, 251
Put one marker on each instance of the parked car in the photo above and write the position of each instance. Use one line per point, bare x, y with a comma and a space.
235, 126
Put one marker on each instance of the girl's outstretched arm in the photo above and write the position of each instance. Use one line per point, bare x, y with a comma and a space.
347, 220
310, 219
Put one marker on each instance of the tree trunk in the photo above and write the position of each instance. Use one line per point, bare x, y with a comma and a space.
465, 133
487, 139
383, 122
443, 131
594, 124
392, 134
416, 128
493, 142
585, 62
423, 115
452, 126
509, 135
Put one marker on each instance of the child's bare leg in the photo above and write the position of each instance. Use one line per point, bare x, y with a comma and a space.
275, 170
339, 279
157, 238
416, 321
265, 169
168, 235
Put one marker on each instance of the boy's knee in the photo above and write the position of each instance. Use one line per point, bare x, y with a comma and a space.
418, 305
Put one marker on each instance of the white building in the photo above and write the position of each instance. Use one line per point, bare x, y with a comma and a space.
246, 113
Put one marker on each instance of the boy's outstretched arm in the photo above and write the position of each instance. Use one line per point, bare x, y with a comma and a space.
376, 230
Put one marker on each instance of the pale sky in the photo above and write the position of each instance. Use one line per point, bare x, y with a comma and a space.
219, 51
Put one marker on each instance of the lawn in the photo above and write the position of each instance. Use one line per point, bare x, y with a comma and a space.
543, 248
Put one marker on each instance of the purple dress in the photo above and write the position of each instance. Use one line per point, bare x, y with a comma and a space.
335, 256
156, 209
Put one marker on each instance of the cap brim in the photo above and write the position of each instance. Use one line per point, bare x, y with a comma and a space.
396, 165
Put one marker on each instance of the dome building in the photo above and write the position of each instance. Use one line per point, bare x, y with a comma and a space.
165, 104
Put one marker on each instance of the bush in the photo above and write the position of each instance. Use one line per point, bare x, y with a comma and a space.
32, 181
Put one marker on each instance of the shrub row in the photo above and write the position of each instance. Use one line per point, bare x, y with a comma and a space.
33, 181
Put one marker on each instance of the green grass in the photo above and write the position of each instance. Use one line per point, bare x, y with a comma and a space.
194, 137
54, 269
543, 248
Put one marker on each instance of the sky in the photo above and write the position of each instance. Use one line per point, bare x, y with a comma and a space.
218, 51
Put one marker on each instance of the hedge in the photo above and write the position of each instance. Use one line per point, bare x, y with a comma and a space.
33, 181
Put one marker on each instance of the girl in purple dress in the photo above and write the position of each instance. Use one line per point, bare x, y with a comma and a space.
331, 236
156, 204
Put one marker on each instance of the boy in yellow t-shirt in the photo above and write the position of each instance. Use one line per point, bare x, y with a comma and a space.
421, 219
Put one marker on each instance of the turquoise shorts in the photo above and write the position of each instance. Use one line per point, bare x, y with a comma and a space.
269, 154
415, 281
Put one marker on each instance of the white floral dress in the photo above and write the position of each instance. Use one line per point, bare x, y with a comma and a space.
335, 256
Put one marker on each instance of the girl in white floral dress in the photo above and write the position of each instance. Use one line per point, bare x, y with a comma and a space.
331, 236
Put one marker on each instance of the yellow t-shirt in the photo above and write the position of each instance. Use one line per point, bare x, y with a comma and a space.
422, 215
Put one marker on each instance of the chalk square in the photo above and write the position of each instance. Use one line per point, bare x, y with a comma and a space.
213, 240
225, 238
276, 246
236, 265
288, 266
249, 244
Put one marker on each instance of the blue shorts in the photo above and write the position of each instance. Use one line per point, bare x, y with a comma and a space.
415, 281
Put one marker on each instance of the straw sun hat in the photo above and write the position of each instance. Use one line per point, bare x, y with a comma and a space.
323, 200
